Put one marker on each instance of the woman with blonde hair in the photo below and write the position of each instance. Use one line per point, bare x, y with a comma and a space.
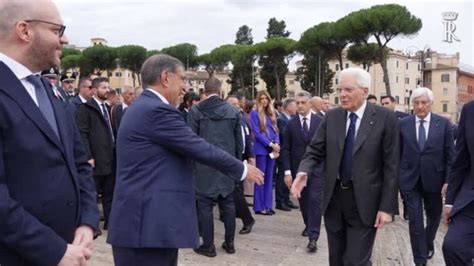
266, 149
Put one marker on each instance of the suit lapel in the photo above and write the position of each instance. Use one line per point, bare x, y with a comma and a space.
92, 103
13, 87
412, 133
366, 125
341, 128
433, 129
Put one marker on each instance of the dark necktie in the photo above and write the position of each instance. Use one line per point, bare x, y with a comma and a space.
107, 120
44, 103
305, 126
345, 169
421, 135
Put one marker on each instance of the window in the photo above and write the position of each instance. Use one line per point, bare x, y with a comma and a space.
337, 67
396, 80
407, 80
469, 89
118, 74
347, 65
445, 78
336, 100
397, 63
406, 66
445, 107
407, 100
337, 81
397, 98
292, 82
445, 91
419, 67
418, 81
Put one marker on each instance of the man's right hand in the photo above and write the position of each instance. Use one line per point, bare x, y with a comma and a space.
298, 184
447, 214
288, 180
254, 174
92, 162
75, 256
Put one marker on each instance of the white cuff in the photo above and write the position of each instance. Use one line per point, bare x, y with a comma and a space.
287, 172
448, 205
244, 174
301, 173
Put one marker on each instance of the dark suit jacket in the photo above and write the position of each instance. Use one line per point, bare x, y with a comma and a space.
154, 204
96, 137
46, 185
116, 113
433, 163
461, 182
282, 121
375, 159
248, 149
295, 144
401, 115
218, 123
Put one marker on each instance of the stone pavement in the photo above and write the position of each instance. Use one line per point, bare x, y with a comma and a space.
277, 240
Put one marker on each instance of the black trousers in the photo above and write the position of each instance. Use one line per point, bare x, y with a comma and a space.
242, 210
206, 217
282, 193
145, 256
350, 242
421, 237
310, 205
458, 245
104, 185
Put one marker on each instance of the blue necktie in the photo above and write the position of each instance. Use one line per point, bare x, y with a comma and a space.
107, 120
305, 126
345, 169
421, 135
44, 103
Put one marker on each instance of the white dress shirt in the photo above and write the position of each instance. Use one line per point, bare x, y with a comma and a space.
21, 72
360, 114
83, 100
426, 125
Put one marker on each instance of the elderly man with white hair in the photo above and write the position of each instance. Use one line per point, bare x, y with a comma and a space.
359, 143
426, 155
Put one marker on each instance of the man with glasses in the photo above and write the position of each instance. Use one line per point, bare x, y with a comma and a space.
85, 92
47, 197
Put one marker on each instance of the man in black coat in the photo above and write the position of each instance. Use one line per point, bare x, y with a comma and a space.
218, 123
117, 111
93, 121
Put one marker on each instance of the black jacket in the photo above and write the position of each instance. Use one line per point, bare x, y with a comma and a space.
96, 137
219, 124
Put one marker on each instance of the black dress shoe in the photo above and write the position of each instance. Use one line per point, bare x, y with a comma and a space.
291, 205
208, 252
247, 228
420, 264
305, 232
271, 212
430, 253
312, 247
405, 212
263, 213
283, 207
228, 247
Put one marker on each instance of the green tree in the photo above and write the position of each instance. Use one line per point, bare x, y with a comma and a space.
308, 75
365, 54
151, 53
217, 59
132, 57
71, 61
241, 75
277, 29
97, 59
244, 35
69, 51
275, 54
185, 52
383, 23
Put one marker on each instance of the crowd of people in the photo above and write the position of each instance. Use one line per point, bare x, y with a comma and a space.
160, 161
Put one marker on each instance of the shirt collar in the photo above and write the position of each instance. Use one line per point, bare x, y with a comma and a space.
124, 105
286, 115
426, 119
359, 112
83, 100
99, 102
163, 99
20, 71
308, 117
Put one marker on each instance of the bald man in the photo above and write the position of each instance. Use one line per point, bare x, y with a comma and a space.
47, 197
317, 106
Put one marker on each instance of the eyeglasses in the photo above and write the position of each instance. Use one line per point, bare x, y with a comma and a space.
61, 29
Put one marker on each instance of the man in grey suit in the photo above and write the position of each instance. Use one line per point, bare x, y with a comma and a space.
359, 143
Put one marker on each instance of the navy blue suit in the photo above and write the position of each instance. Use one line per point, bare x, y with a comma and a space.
422, 176
282, 194
154, 204
293, 150
46, 185
458, 246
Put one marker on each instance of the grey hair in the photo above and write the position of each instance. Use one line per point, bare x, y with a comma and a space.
304, 94
127, 89
287, 102
212, 85
155, 65
362, 77
422, 91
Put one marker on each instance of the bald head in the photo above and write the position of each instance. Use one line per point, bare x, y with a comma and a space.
317, 104
31, 33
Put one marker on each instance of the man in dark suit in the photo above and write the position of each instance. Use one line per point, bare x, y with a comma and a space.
47, 197
242, 210
154, 207
299, 132
282, 194
128, 96
359, 143
389, 102
458, 245
318, 106
219, 124
67, 84
93, 121
85, 93
426, 148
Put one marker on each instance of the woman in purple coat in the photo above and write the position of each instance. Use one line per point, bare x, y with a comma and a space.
266, 149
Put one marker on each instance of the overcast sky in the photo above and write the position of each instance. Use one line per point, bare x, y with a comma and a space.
211, 23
